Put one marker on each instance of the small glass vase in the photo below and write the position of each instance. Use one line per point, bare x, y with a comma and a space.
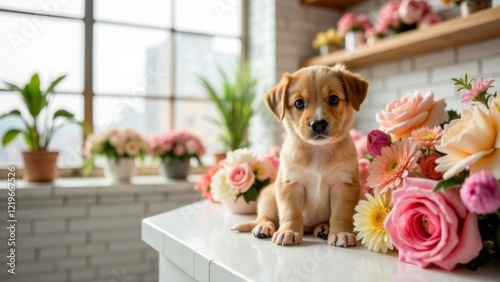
468, 7
240, 206
175, 169
354, 39
120, 170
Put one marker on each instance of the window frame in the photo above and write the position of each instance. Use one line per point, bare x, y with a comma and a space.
88, 65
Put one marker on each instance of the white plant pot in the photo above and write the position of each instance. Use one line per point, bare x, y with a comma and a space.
354, 39
239, 206
121, 171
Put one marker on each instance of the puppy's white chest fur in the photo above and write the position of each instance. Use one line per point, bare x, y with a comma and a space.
316, 183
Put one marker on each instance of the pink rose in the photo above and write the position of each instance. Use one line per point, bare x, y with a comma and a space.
179, 150
432, 227
346, 23
411, 11
401, 116
376, 141
388, 17
241, 177
481, 193
428, 166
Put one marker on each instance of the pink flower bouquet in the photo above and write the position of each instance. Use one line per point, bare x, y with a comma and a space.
434, 185
114, 144
241, 174
178, 144
352, 22
398, 16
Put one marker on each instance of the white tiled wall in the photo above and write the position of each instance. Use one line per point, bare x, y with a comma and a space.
87, 233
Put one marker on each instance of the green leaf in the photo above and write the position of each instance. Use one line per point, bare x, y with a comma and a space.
88, 165
13, 87
11, 113
483, 257
9, 136
63, 113
250, 195
453, 183
34, 96
54, 84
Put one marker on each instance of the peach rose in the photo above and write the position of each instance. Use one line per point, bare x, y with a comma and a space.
473, 140
401, 116
241, 177
432, 228
131, 149
263, 170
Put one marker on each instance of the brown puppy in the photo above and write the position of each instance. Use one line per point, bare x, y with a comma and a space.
317, 186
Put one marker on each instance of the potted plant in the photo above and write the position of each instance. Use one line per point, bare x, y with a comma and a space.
234, 101
39, 127
327, 41
352, 27
468, 7
176, 149
120, 148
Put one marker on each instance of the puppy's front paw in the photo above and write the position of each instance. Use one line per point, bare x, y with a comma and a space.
287, 238
342, 239
264, 230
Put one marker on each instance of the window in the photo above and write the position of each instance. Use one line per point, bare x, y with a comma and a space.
146, 55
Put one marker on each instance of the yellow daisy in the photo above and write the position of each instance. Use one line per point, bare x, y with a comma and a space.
369, 222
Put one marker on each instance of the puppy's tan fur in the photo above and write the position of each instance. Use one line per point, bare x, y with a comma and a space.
317, 186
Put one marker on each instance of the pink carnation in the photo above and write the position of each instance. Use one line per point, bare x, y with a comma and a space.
203, 185
481, 193
432, 228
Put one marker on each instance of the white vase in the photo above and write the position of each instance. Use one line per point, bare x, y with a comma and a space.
119, 171
468, 7
353, 39
239, 206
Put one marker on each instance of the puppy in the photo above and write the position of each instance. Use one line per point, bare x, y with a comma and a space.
317, 186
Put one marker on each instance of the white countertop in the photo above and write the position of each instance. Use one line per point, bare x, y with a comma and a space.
198, 239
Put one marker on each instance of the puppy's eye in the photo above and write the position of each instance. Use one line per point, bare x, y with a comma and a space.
334, 100
299, 104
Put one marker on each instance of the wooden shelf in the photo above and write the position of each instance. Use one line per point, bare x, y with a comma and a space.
454, 32
332, 4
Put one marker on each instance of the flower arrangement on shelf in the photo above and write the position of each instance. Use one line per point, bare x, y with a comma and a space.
398, 16
352, 28
239, 178
120, 147
433, 179
177, 144
327, 41
175, 149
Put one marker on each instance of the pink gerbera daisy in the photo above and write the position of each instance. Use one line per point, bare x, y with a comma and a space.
394, 164
478, 87
427, 137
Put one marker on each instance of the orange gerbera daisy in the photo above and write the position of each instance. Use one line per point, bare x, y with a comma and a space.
395, 163
427, 137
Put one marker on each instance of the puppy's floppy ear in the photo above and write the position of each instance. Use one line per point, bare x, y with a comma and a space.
277, 97
355, 87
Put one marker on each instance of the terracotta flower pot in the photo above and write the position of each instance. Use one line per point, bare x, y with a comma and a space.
40, 166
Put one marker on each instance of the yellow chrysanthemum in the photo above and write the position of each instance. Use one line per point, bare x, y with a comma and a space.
369, 222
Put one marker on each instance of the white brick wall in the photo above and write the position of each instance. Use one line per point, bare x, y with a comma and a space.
90, 233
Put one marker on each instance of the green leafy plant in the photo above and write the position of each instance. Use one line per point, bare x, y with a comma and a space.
234, 102
38, 127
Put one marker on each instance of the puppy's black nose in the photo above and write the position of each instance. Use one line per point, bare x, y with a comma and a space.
318, 126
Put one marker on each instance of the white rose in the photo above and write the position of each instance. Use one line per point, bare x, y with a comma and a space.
472, 140
220, 187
